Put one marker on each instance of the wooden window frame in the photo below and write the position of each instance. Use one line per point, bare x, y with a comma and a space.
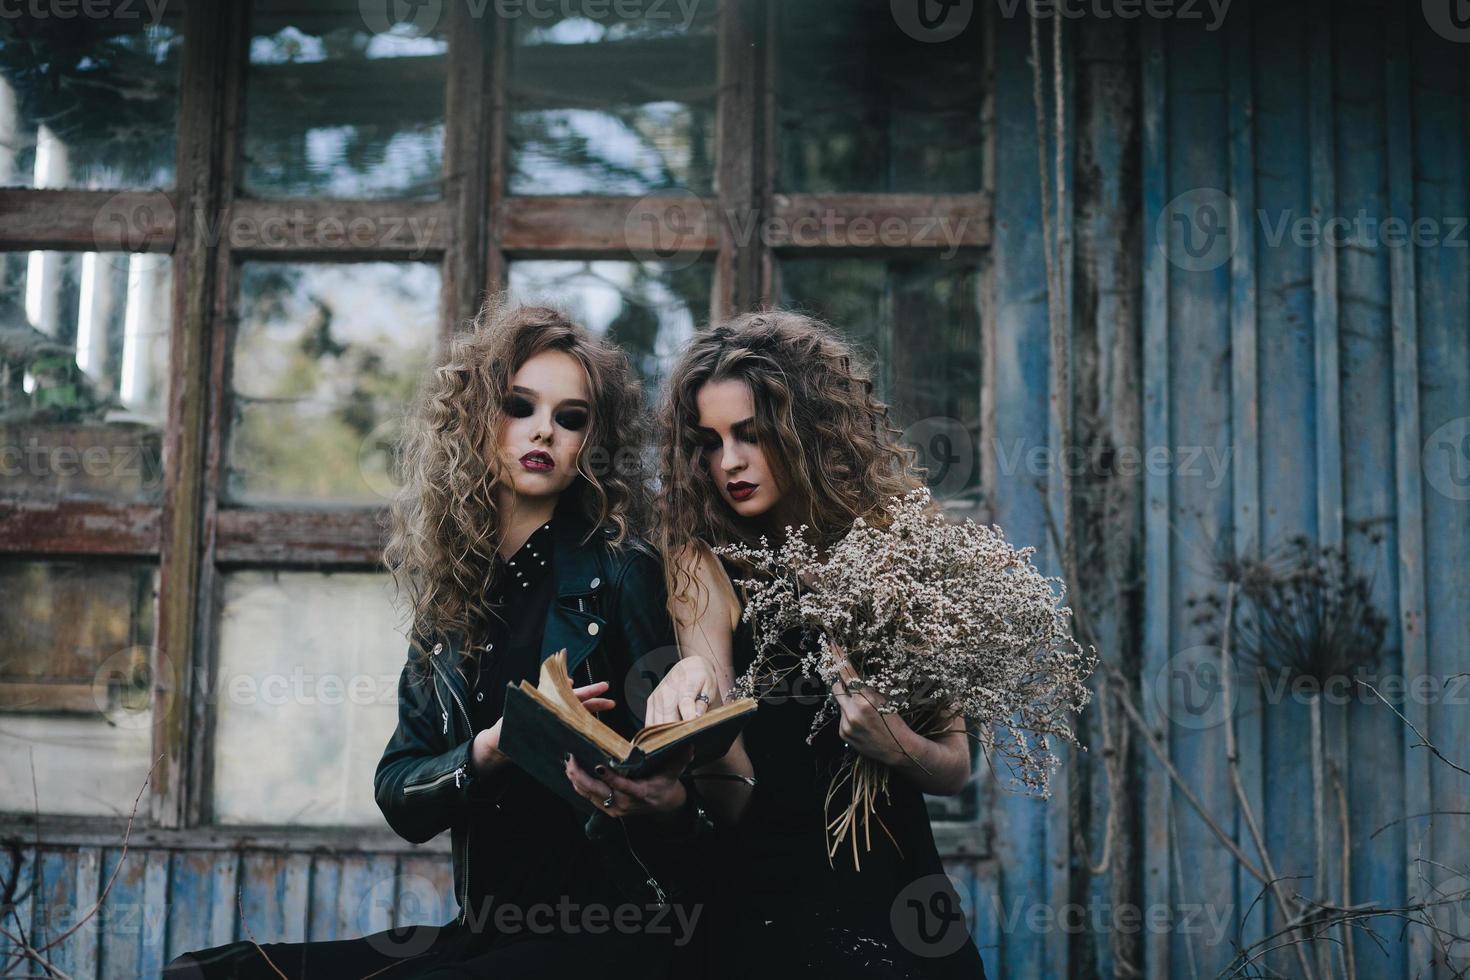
479, 229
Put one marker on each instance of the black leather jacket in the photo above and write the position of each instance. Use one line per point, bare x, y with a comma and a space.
609, 612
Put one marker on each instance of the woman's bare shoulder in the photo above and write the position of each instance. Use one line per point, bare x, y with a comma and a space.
709, 592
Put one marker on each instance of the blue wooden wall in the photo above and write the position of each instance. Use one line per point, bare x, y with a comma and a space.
1321, 372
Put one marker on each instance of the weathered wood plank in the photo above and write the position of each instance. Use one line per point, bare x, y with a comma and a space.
323, 922
361, 905
820, 222
467, 112
191, 889
1326, 387
276, 538
213, 275
649, 227
1442, 269
75, 831
224, 889
741, 181
325, 230
263, 904
1158, 794
425, 891
295, 890
1286, 373
120, 920
205, 141
86, 890
664, 226
496, 268
1245, 488
1200, 510
1060, 489
1408, 475
88, 221
1015, 329
1366, 352
79, 527
52, 910
153, 925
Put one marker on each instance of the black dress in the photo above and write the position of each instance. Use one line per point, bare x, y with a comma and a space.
792, 913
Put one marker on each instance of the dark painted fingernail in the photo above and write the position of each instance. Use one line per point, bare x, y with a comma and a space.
599, 769
566, 757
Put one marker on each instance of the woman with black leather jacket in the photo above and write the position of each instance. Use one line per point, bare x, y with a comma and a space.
512, 539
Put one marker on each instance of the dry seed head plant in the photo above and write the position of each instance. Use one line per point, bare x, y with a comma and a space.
941, 618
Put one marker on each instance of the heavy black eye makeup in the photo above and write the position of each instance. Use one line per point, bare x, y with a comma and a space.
572, 419
707, 439
518, 407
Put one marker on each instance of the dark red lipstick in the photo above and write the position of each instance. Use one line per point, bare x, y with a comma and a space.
740, 490
538, 461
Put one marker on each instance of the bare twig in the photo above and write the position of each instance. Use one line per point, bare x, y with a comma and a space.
127, 833
1422, 740
245, 924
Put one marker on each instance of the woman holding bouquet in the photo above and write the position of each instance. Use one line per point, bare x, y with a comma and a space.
769, 423
512, 544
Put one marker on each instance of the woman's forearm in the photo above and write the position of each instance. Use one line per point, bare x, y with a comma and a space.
725, 784
939, 766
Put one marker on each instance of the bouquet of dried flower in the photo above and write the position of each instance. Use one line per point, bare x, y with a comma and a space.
941, 618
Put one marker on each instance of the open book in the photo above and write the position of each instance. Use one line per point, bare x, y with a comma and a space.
543, 723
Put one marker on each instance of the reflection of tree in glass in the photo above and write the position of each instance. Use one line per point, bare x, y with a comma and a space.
108, 92
613, 106
324, 356
335, 109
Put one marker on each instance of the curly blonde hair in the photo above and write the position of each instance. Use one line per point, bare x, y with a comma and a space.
445, 523
830, 442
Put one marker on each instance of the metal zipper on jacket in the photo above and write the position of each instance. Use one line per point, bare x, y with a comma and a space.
458, 774
458, 703
587, 660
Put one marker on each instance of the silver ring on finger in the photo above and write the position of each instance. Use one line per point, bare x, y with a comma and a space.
608, 802
702, 697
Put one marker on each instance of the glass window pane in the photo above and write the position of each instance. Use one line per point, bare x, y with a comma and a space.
919, 319
88, 102
648, 308
336, 108
307, 696
603, 103
84, 342
75, 659
865, 104
326, 358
